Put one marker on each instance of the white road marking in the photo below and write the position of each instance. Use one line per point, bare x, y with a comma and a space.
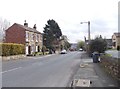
11, 70
21, 67
42, 56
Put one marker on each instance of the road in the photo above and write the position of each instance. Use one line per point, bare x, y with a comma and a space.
47, 71
114, 53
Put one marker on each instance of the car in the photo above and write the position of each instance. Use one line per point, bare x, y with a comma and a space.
63, 52
80, 49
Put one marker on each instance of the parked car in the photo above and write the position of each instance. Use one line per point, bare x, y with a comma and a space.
63, 52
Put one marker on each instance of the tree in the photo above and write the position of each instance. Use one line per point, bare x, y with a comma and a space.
80, 44
4, 24
99, 45
51, 33
43, 49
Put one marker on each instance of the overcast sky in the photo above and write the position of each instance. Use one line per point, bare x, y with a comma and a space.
102, 14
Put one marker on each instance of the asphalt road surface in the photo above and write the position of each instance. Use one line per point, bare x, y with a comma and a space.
47, 71
114, 53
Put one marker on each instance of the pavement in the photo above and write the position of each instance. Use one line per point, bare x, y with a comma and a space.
92, 73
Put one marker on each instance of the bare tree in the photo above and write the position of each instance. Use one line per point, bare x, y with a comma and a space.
4, 24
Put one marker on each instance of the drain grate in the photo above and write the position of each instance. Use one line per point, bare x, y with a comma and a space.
81, 83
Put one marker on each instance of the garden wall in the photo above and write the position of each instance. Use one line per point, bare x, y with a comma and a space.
111, 65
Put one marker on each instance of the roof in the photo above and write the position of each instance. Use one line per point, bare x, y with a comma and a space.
28, 28
109, 40
117, 34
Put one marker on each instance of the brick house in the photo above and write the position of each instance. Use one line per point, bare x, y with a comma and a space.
22, 34
116, 40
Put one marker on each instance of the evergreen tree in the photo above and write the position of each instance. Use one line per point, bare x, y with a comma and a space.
99, 45
51, 33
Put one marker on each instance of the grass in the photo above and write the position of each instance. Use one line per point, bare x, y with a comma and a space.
112, 49
108, 55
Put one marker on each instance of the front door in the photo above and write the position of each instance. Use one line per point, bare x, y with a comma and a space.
38, 48
29, 49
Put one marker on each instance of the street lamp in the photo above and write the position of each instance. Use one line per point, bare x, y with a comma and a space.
88, 29
88, 43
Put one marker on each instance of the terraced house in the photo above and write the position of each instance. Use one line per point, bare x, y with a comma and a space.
22, 34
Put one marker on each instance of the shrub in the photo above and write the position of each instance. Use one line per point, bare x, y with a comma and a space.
9, 49
98, 45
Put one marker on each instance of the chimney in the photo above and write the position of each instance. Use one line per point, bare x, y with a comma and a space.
25, 24
34, 26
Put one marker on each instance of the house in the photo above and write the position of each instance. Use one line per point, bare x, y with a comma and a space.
22, 34
116, 40
63, 40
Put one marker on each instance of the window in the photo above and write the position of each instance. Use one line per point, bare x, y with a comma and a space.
37, 37
27, 36
32, 36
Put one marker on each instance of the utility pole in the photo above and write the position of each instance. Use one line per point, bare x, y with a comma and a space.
89, 31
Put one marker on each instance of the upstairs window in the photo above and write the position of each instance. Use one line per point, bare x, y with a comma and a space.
27, 36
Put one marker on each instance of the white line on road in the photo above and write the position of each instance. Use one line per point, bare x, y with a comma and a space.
42, 56
21, 67
11, 70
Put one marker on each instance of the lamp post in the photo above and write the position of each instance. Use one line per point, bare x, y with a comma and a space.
87, 44
88, 29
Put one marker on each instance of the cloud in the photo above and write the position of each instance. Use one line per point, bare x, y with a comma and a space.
102, 14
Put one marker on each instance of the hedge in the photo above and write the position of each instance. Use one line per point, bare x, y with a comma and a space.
9, 49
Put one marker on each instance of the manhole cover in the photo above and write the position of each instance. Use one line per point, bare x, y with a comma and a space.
81, 83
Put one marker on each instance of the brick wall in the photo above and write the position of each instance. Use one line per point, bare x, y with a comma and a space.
15, 34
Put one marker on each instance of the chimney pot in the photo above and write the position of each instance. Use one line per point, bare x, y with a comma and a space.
25, 24
34, 26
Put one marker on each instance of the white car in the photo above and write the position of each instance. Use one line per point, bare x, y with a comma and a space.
63, 52
80, 49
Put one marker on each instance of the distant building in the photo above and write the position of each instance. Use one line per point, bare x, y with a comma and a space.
116, 40
64, 39
73, 47
22, 34
1, 37
109, 43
